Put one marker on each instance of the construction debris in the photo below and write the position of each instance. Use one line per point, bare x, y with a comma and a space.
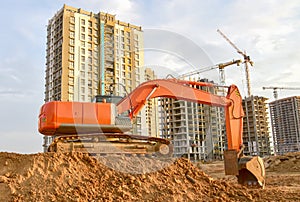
289, 162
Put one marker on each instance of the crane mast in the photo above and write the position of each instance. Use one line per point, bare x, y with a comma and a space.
246, 60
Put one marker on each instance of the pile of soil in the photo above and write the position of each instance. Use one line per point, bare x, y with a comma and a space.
289, 162
79, 177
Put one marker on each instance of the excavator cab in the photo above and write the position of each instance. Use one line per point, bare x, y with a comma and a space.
120, 119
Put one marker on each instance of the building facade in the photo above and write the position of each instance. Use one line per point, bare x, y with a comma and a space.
92, 53
89, 53
197, 131
256, 135
285, 121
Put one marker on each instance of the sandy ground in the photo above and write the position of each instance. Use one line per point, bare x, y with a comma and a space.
79, 177
282, 177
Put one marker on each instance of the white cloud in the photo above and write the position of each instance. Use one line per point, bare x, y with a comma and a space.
265, 29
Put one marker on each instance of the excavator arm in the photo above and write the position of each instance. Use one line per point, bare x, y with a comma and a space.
250, 171
190, 91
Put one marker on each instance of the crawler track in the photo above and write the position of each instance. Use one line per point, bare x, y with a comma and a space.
111, 143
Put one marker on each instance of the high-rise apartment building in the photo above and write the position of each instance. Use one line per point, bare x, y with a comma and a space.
88, 54
285, 119
92, 53
197, 131
256, 135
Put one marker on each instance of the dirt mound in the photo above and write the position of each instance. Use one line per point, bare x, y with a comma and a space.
289, 162
78, 177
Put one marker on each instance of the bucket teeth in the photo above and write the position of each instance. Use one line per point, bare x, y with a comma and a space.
251, 172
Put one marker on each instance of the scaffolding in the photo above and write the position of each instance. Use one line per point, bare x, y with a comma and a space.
285, 119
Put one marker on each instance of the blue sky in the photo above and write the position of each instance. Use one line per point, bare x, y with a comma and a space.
268, 30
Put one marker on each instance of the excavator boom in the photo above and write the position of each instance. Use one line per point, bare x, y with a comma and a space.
190, 91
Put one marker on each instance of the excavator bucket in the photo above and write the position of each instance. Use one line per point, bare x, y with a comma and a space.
251, 172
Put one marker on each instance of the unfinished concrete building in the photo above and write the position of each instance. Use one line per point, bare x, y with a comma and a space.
197, 131
256, 135
285, 119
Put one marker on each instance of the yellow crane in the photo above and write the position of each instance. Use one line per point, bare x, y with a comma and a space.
275, 90
246, 60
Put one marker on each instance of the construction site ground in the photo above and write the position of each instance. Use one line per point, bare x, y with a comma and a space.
80, 177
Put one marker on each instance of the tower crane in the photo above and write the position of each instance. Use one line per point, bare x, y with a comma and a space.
220, 66
246, 60
275, 92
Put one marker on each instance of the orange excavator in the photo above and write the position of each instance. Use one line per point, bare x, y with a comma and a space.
103, 127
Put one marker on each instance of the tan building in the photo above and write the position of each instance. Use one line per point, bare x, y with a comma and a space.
87, 53
256, 134
285, 119
92, 53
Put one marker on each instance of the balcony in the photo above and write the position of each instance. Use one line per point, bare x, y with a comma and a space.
109, 58
109, 67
